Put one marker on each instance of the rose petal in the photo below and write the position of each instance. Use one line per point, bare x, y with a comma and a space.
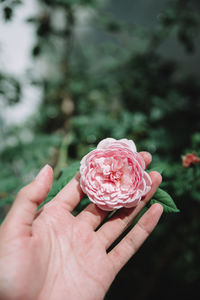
113, 175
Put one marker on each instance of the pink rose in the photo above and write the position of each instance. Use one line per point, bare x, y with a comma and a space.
113, 175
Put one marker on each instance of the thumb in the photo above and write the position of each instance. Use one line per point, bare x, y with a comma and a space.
23, 210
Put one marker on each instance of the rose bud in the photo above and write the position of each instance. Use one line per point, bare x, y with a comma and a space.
113, 175
188, 159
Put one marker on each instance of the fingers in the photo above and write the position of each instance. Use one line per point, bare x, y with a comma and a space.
93, 215
147, 157
28, 199
136, 237
71, 194
112, 229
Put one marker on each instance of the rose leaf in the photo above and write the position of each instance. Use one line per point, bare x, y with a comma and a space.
159, 169
165, 200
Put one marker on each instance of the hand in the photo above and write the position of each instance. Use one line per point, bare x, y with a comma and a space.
54, 255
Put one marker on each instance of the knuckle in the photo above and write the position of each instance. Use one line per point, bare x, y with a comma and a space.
144, 229
123, 222
130, 242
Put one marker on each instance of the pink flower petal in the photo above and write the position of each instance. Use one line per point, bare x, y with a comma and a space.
113, 175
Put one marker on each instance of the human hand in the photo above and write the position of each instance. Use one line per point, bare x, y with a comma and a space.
54, 255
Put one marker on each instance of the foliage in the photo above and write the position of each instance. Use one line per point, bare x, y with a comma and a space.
21, 162
166, 201
113, 80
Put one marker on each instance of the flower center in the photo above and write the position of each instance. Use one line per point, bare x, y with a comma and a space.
115, 175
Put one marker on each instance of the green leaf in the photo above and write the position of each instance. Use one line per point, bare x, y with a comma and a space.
156, 168
66, 175
165, 200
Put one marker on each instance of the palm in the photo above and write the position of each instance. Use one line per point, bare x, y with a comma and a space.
55, 255
73, 257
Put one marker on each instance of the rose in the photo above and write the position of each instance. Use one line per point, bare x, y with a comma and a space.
113, 175
188, 159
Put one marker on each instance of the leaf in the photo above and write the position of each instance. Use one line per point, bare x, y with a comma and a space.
66, 175
165, 200
156, 168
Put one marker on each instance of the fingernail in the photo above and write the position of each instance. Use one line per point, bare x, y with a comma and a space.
42, 172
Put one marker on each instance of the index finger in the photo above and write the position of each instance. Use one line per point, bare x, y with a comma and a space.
71, 194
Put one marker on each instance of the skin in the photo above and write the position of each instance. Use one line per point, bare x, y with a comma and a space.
55, 255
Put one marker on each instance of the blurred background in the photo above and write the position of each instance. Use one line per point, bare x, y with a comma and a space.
73, 72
